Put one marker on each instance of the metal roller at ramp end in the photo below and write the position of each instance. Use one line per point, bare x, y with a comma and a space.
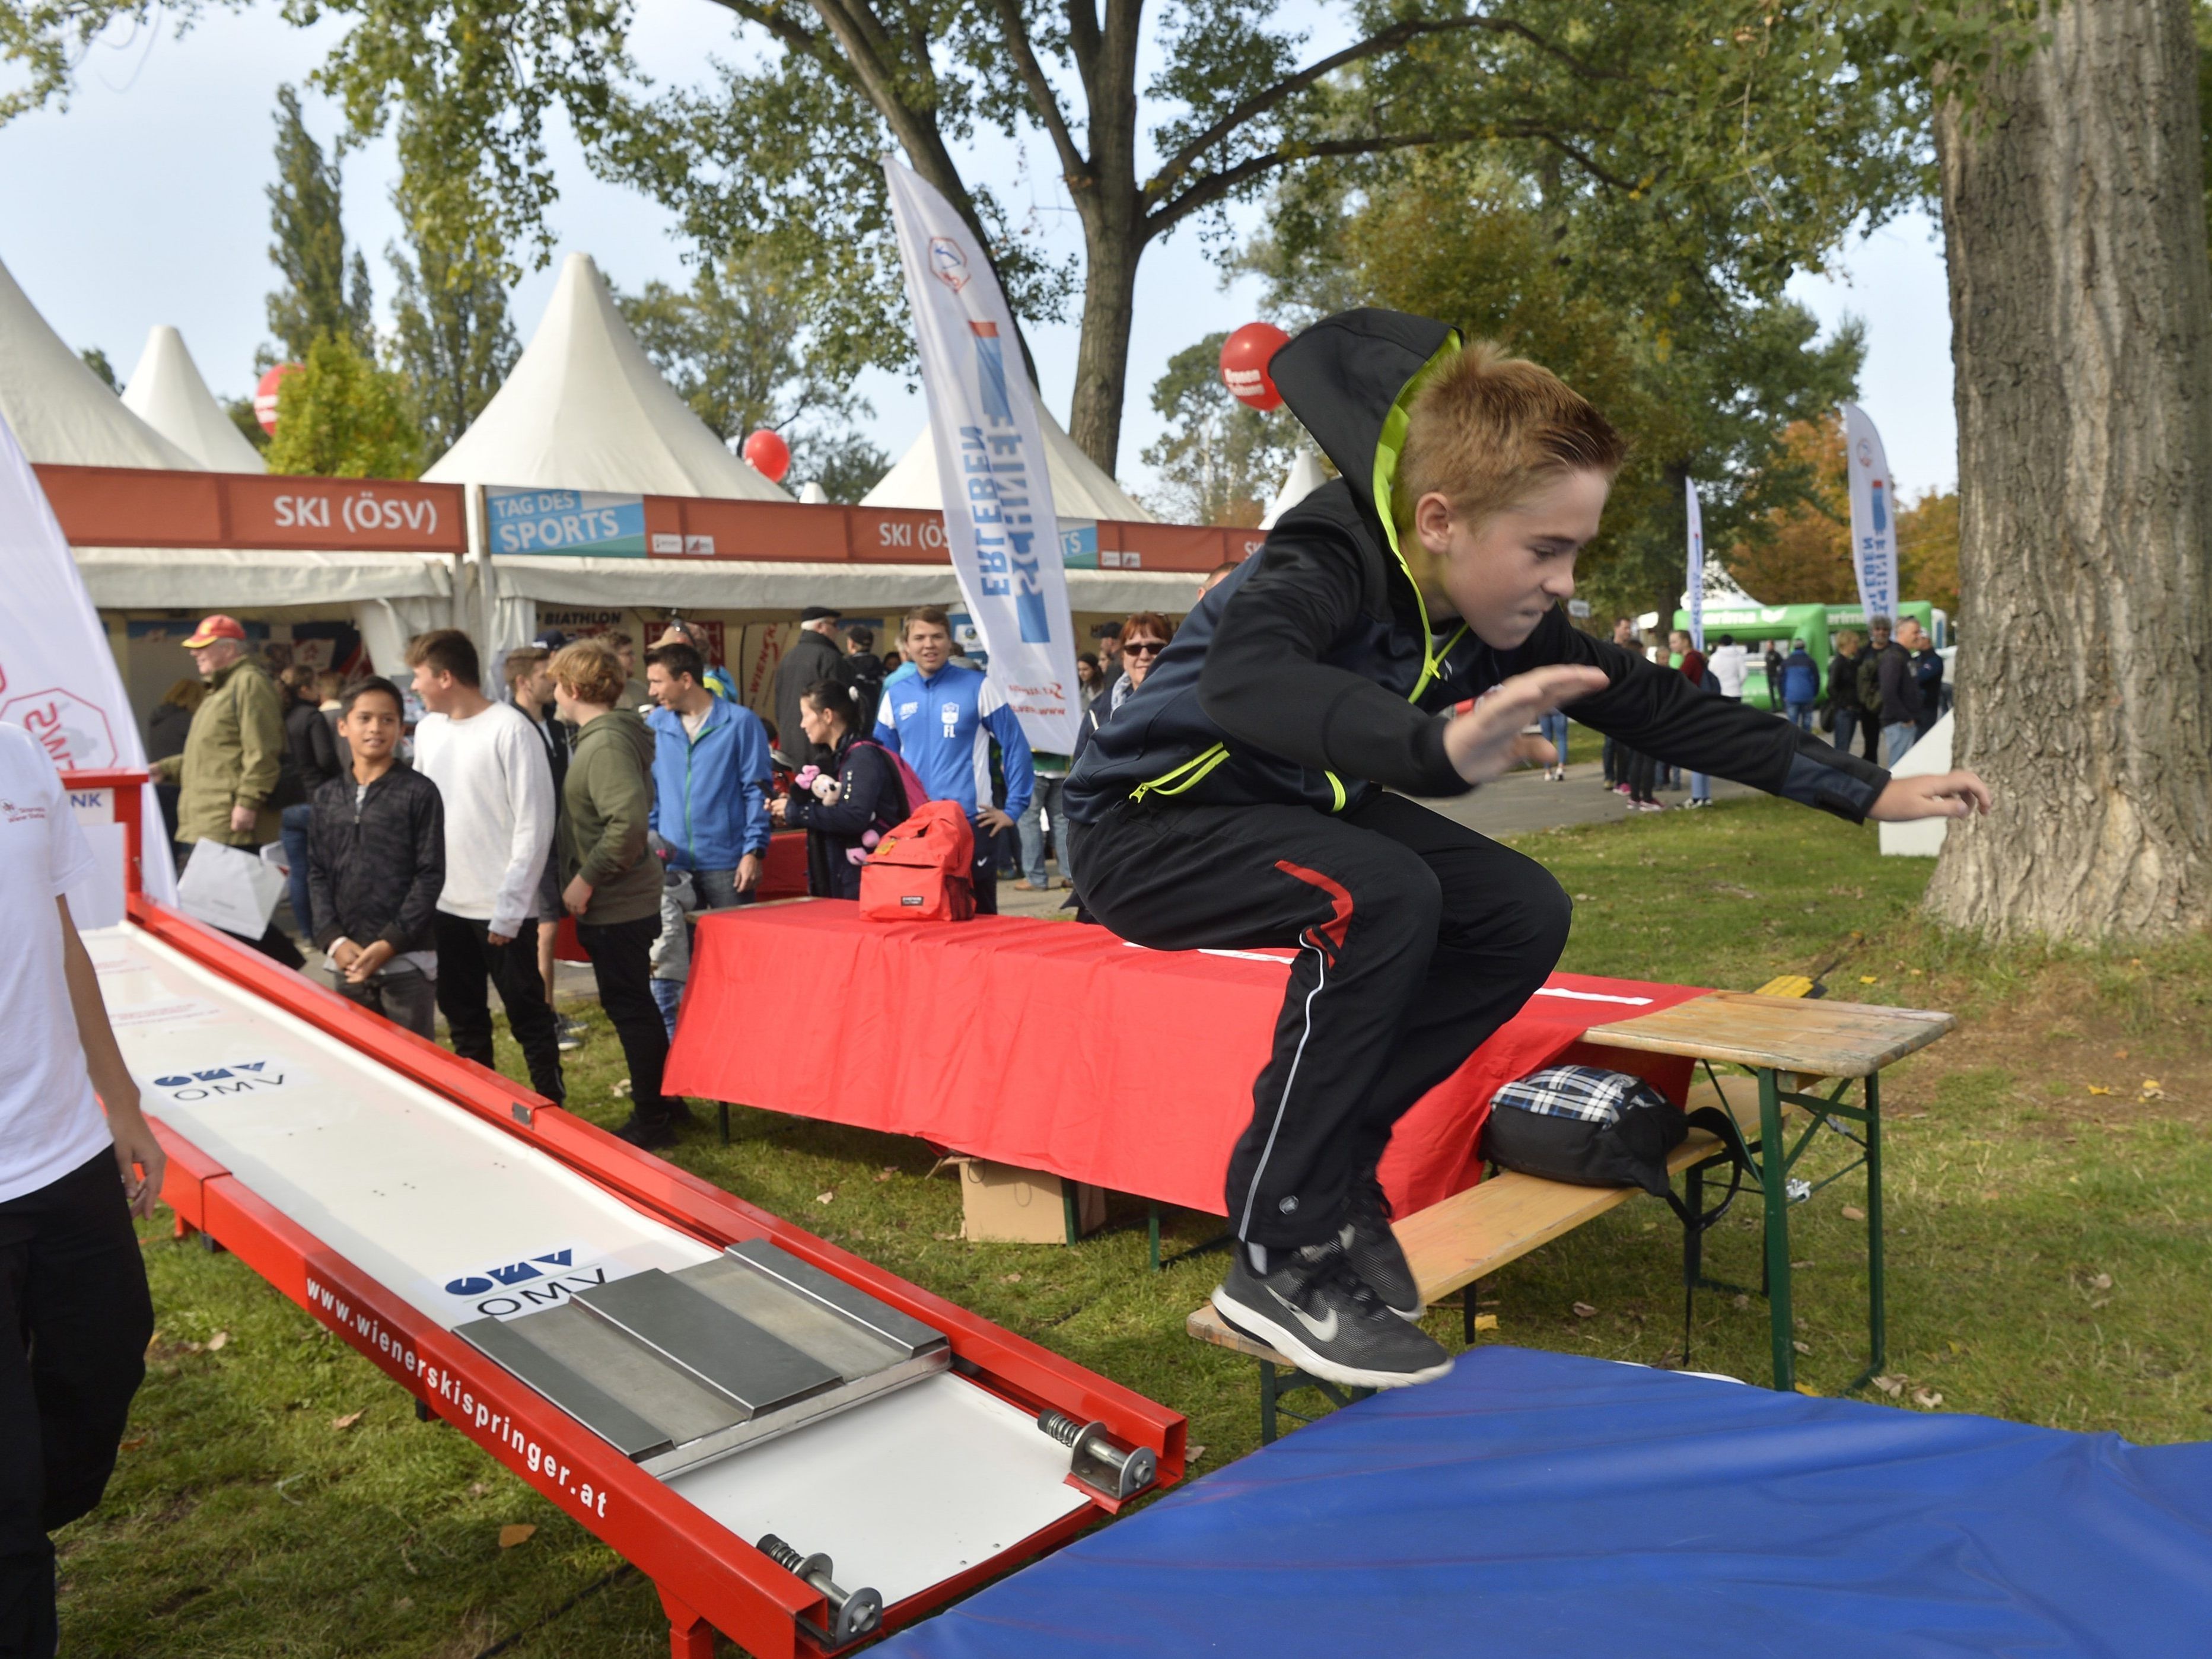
1102, 1462
853, 1613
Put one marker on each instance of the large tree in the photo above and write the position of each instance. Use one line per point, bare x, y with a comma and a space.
325, 289
2081, 339
453, 340
1745, 122
1219, 461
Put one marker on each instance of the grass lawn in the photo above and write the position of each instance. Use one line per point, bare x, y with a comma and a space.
2048, 1247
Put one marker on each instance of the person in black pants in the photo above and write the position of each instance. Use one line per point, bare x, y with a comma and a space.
613, 880
1396, 631
75, 1314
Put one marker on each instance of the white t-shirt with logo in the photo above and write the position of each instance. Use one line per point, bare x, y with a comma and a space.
49, 1119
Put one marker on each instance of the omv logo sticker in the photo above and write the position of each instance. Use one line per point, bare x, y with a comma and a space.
239, 1078
502, 1290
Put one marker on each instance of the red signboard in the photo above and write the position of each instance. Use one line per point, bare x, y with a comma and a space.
130, 507
125, 507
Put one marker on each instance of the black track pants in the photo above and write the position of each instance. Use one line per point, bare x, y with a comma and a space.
1420, 938
75, 1321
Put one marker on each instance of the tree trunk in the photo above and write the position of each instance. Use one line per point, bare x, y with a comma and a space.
1102, 358
2082, 319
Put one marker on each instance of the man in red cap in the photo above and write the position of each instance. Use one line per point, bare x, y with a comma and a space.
228, 769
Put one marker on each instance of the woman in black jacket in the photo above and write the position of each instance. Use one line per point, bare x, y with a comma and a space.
858, 796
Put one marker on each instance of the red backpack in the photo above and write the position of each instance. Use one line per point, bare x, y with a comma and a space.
923, 870
916, 796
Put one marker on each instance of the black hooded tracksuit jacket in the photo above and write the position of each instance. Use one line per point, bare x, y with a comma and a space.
1239, 797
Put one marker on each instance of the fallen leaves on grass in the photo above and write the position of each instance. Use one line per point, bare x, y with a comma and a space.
1852, 1213
348, 1419
619, 1089
2099, 1089
519, 1532
1583, 1310
134, 1442
1010, 1278
2101, 1282
220, 1340
887, 1172
1869, 979
1740, 1300
1892, 1386
1927, 1398
1807, 1390
2151, 1090
1802, 1347
824, 1198
1486, 1322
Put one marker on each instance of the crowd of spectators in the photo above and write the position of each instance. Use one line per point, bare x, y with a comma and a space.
441, 835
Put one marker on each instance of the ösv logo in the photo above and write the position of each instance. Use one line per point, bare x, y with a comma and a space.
239, 1077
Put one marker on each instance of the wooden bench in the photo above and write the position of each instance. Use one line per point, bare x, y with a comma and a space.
1790, 1045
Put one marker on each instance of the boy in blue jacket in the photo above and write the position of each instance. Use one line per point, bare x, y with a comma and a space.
710, 772
942, 718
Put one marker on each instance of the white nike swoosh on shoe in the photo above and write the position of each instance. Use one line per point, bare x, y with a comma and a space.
1321, 1330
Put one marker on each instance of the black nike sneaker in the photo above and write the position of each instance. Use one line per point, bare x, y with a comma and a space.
1372, 1248
1311, 1308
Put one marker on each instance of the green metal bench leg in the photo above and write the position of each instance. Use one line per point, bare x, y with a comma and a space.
1877, 1315
1068, 1216
1266, 1402
723, 1107
1774, 1183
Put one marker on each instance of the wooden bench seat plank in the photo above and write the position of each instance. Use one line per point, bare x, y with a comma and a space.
1821, 1038
1471, 1234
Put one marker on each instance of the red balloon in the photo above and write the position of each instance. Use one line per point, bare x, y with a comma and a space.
264, 394
769, 454
1245, 355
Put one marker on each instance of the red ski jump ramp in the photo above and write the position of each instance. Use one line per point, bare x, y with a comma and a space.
720, 1374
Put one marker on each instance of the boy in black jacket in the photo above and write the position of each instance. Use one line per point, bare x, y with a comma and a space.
1400, 628
376, 862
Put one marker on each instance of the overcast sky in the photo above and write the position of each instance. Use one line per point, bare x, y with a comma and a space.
143, 204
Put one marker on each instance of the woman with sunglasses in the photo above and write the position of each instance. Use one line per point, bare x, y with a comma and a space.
1144, 636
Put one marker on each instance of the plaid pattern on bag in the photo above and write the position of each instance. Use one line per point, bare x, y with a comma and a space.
1587, 1092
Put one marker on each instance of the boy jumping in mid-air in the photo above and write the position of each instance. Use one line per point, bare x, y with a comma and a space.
1400, 628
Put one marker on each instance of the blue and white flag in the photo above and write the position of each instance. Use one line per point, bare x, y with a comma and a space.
1874, 513
998, 520
1697, 584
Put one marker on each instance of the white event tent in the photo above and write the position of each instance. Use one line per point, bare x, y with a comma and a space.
166, 393
63, 416
1306, 475
1081, 488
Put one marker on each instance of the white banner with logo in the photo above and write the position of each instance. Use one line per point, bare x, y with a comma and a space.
58, 678
999, 522
1873, 515
1697, 584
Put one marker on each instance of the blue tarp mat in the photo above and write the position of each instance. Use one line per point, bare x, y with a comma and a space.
1545, 1505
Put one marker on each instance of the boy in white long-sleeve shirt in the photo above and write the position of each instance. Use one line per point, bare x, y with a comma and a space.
490, 768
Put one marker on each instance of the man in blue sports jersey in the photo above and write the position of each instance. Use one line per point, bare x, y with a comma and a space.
942, 718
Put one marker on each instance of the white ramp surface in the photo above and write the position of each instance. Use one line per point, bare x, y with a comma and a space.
466, 1221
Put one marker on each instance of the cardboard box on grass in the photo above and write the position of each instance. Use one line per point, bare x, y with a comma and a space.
1001, 1205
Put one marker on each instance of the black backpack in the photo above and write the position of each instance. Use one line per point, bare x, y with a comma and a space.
1592, 1128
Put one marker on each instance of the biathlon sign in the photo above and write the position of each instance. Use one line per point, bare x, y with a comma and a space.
1000, 527
1874, 514
571, 522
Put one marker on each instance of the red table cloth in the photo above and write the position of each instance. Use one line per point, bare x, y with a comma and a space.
1052, 1046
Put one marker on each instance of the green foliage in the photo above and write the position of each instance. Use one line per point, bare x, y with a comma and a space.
1701, 375
240, 410
96, 360
736, 348
325, 291
1219, 461
344, 416
453, 340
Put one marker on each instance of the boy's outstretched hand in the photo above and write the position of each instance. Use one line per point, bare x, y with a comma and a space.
1944, 795
1488, 740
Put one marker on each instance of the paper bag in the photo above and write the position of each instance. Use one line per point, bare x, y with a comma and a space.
229, 888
